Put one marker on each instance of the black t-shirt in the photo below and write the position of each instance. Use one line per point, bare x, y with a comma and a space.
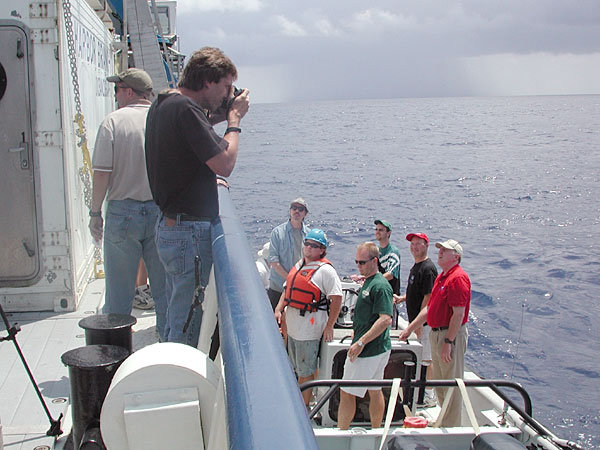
420, 282
179, 141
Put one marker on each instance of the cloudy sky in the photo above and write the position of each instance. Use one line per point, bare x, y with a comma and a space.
306, 50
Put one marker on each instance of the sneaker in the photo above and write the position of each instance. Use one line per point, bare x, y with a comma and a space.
143, 298
429, 401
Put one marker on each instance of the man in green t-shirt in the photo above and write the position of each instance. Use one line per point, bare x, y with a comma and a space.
389, 255
371, 346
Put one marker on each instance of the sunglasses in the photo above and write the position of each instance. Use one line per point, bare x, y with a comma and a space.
362, 263
312, 244
117, 87
380, 229
298, 208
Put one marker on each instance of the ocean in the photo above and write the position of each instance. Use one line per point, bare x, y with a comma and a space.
514, 179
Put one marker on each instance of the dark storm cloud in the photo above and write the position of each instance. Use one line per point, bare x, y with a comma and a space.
348, 48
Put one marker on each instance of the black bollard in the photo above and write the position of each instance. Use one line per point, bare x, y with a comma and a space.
91, 369
92, 439
409, 374
109, 329
422, 379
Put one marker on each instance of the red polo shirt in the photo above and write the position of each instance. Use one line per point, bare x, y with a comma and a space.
449, 289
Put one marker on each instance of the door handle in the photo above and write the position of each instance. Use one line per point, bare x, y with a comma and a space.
30, 251
24, 150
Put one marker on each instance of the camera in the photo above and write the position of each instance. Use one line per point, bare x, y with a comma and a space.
237, 91
220, 114
227, 103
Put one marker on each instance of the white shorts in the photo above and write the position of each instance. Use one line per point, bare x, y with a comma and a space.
425, 343
369, 368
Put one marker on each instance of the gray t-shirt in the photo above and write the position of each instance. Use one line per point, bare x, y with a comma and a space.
286, 249
298, 238
119, 149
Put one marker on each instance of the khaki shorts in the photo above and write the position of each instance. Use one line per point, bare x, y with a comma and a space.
304, 356
369, 368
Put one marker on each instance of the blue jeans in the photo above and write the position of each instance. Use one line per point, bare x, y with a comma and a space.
129, 236
177, 247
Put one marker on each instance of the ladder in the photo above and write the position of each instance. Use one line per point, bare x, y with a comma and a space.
144, 43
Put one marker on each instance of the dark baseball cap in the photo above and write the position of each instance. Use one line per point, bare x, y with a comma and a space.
136, 79
384, 223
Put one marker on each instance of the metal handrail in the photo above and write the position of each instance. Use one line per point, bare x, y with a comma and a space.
524, 412
264, 406
493, 384
409, 384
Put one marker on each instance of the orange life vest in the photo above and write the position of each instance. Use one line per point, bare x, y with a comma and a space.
300, 291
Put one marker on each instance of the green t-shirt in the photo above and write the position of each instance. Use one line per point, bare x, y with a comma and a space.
374, 298
389, 257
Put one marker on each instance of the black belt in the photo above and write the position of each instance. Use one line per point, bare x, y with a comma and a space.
187, 218
439, 328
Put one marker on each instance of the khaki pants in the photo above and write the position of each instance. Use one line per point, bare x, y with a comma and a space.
449, 371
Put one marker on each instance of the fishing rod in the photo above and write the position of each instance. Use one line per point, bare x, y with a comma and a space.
563, 443
12, 336
512, 371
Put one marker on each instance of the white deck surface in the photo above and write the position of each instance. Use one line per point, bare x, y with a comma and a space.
43, 338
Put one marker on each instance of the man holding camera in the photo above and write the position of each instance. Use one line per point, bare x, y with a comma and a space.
184, 155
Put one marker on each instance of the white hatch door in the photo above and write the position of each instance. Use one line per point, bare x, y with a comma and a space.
19, 255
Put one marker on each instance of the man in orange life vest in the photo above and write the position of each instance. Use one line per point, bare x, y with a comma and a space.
312, 301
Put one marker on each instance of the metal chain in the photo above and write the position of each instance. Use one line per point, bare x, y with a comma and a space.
85, 172
72, 56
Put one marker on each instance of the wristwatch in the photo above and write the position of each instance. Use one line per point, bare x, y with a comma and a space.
360, 343
448, 341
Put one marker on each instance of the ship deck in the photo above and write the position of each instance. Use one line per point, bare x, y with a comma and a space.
43, 339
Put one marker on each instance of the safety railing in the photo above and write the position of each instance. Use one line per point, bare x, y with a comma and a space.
264, 405
408, 385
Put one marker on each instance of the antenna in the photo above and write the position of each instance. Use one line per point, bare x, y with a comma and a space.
518, 339
505, 409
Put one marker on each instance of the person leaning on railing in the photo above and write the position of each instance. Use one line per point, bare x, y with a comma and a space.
184, 155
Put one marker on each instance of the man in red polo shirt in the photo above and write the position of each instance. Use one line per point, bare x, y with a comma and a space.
447, 314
